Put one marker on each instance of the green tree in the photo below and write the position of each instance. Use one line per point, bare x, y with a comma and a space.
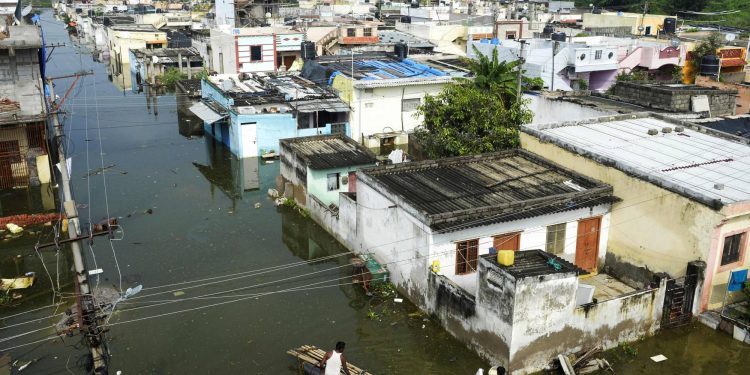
705, 47
465, 119
170, 77
497, 76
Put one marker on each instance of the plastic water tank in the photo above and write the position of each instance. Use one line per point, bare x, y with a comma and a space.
670, 25
558, 37
548, 29
405, 19
401, 50
710, 65
308, 50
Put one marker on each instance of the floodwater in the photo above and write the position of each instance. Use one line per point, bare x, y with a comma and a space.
190, 217
229, 286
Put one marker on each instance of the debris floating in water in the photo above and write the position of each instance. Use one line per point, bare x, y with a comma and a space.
659, 358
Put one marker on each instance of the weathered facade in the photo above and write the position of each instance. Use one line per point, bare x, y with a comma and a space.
250, 114
322, 166
24, 160
677, 97
681, 199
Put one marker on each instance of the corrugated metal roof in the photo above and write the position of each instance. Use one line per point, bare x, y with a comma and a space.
690, 163
328, 151
315, 105
205, 113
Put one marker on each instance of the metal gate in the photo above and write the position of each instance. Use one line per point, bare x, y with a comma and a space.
14, 149
678, 299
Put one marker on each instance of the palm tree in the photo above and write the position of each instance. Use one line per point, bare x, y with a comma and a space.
496, 76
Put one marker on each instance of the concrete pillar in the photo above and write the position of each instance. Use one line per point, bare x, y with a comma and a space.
179, 61
189, 69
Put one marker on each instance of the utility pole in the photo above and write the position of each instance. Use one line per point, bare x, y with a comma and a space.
520, 71
643, 18
86, 306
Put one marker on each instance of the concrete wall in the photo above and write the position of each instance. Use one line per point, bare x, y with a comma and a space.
652, 229
394, 237
550, 323
317, 183
223, 52
722, 102
743, 92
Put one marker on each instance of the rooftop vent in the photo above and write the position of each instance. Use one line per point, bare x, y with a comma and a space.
719, 186
679, 129
653, 131
666, 130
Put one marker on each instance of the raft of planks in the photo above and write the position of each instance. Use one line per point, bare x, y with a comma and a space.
313, 355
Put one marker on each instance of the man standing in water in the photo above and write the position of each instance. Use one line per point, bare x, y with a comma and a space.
334, 361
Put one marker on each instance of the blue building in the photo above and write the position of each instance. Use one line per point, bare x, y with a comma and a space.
250, 113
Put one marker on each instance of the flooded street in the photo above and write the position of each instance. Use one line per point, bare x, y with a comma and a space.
188, 210
230, 282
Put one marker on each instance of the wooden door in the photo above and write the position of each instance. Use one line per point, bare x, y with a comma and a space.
587, 244
508, 241
352, 182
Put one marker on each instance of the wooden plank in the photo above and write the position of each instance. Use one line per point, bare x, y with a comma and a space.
313, 355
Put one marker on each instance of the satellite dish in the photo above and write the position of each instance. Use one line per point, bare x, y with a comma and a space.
268, 15
730, 37
675, 42
25, 12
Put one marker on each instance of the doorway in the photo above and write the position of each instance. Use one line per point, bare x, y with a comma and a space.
587, 244
508, 241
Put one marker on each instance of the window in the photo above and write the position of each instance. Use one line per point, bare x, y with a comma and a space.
256, 53
510, 35
350, 32
368, 91
556, 239
466, 256
410, 105
333, 181
367, 31
598, 55
732, 248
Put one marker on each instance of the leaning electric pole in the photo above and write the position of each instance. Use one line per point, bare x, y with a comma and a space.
87, 308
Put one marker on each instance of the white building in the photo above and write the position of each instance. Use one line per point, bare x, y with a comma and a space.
256, 49
575, 65
383, 95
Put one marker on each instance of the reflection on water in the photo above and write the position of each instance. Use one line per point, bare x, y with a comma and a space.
228, 174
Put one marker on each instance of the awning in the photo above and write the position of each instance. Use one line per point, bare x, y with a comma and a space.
734, 61
206, 114
316, 105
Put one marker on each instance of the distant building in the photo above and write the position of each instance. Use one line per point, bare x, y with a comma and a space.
250, 113
383, 92
561, 65
24, 153
320, 167
680, 98
259, 49
123, 38
146, 64
626, 23
684, 201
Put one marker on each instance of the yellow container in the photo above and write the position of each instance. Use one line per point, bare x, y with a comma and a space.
506, 257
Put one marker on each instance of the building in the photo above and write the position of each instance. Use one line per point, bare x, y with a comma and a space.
146, 64
123, 38
250, 113
625, 23
24, 156
705, 101
683, 194
561, 65
434, 224
659, 58
319, 167
258, 49
382, 92
449, 38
